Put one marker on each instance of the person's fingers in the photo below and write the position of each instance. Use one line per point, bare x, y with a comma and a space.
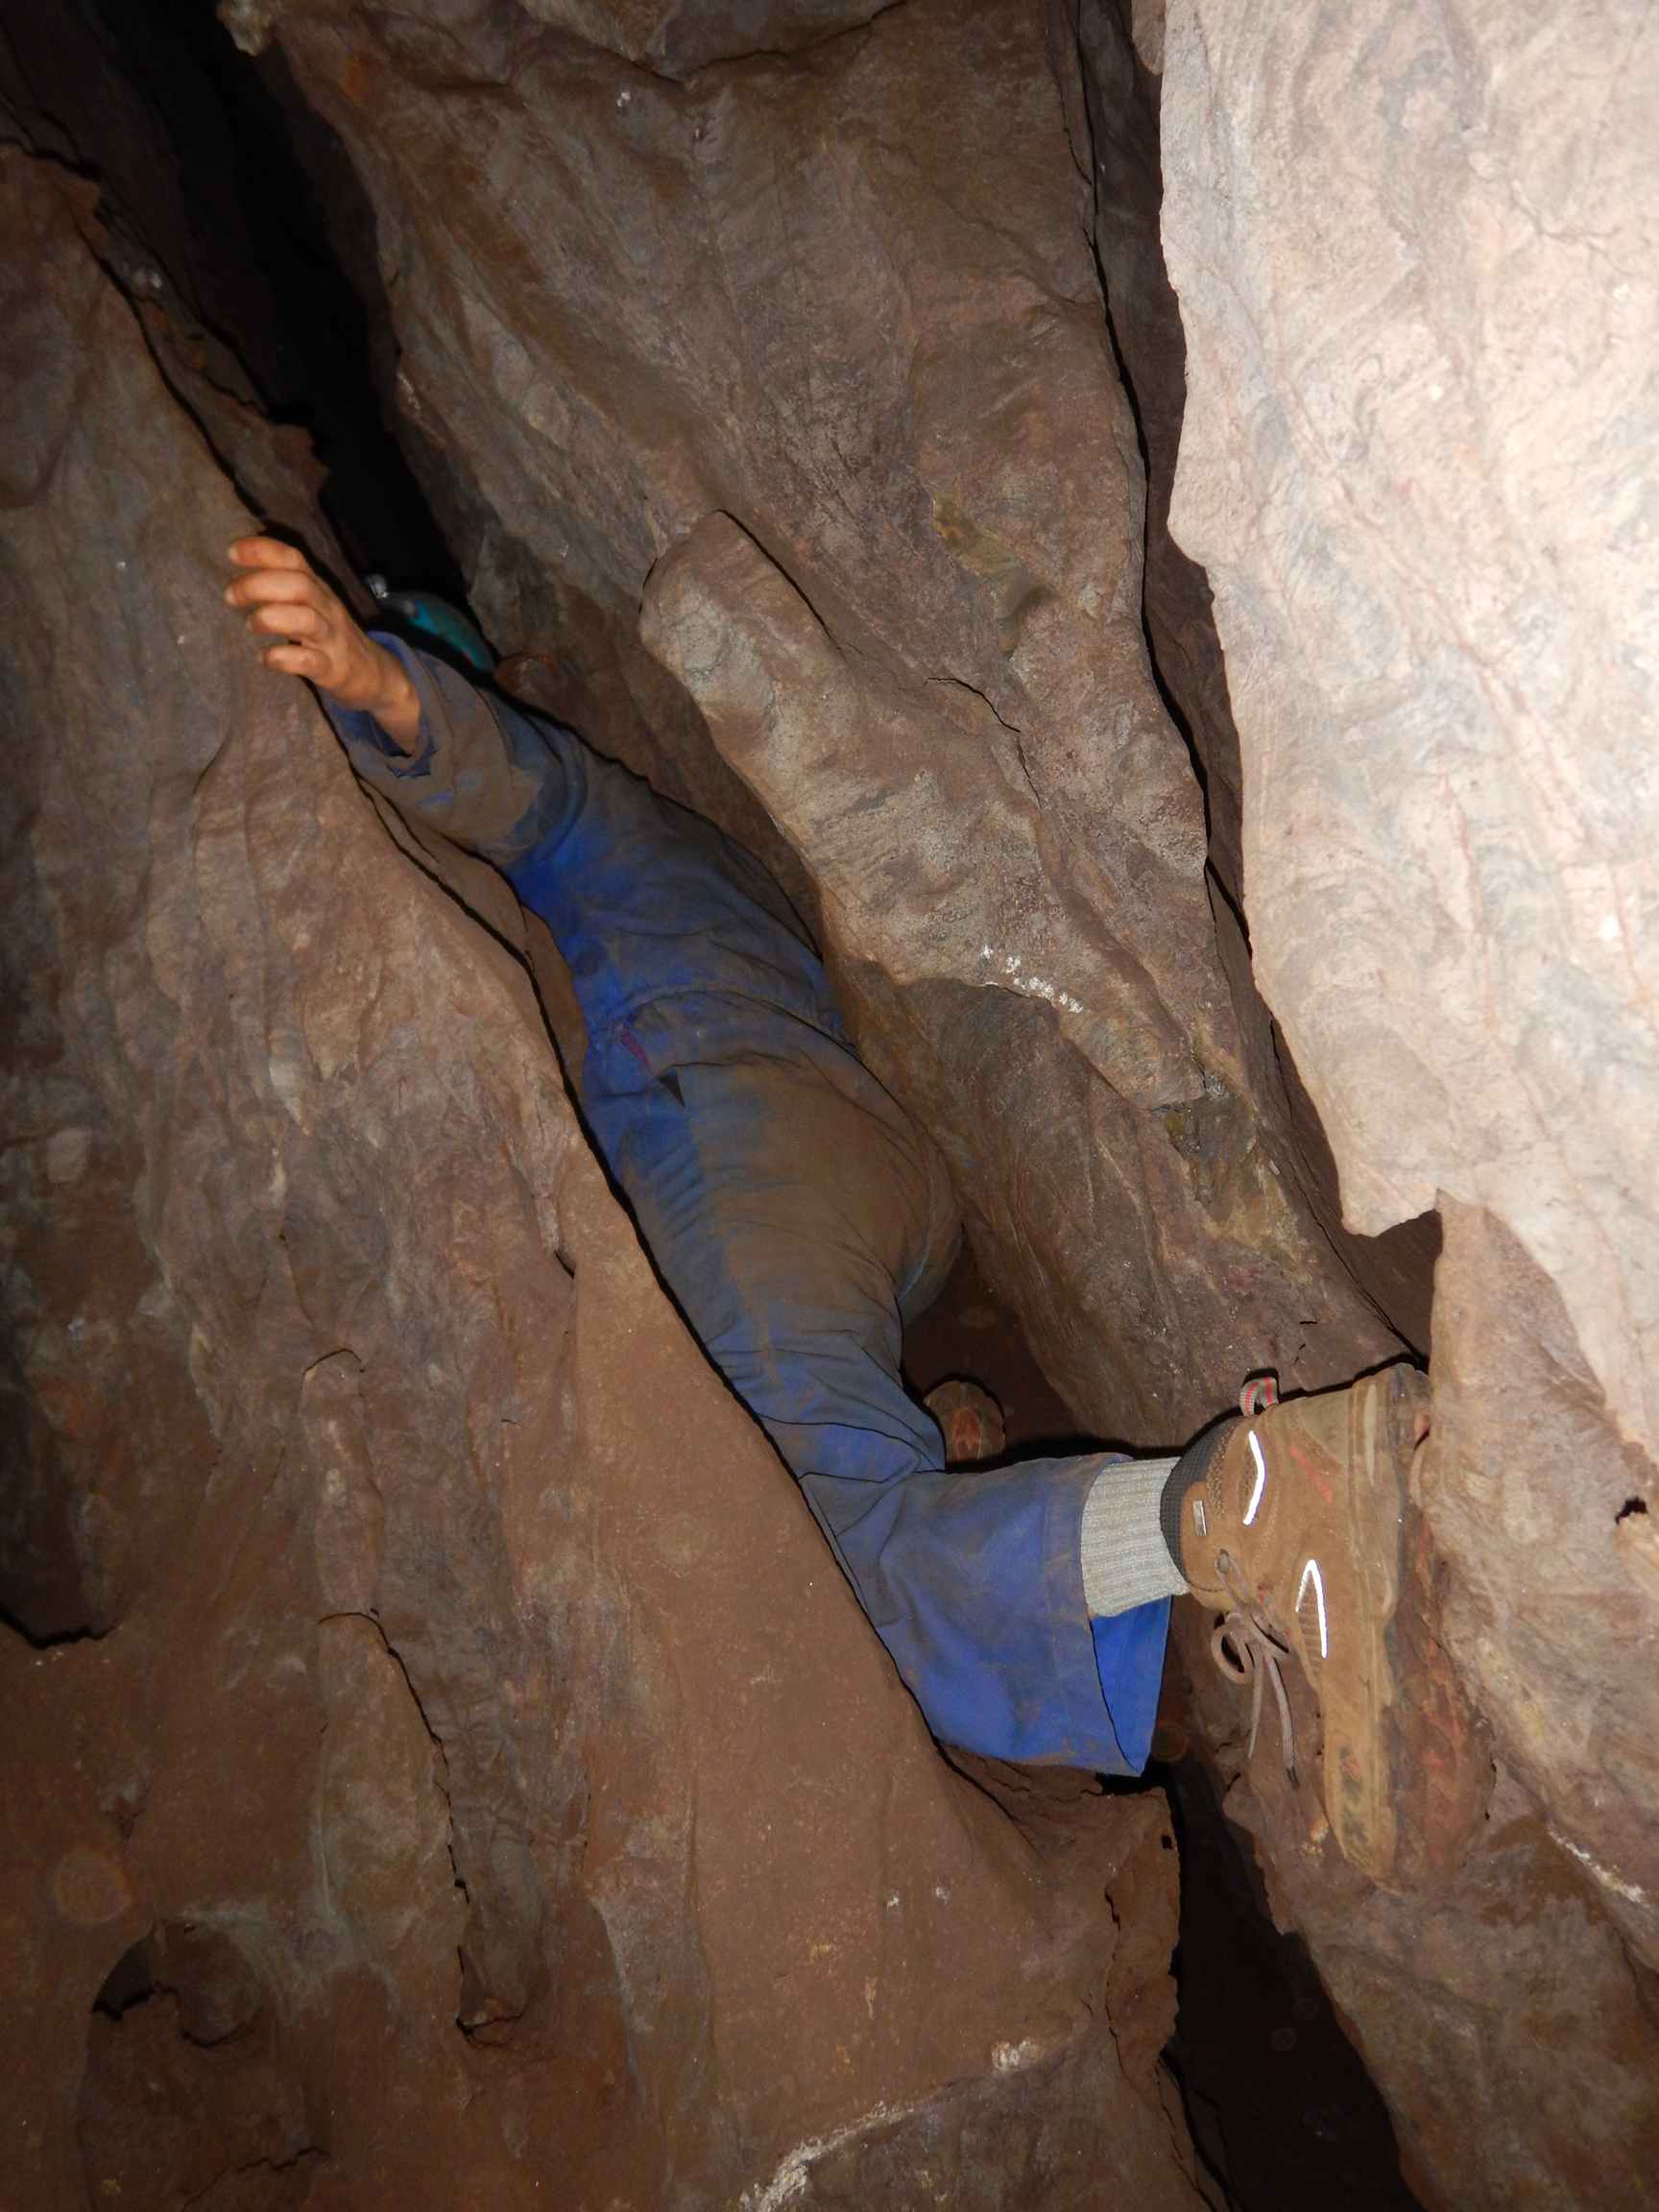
290, 618
267, 553
297, 661
263, 584
284, 598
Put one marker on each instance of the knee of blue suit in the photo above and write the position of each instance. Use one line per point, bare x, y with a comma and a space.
973, 1580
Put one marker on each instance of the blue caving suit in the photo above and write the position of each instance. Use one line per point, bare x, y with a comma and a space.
795, 1212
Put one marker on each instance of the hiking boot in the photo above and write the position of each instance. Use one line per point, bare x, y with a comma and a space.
1294, 1527
970, 1420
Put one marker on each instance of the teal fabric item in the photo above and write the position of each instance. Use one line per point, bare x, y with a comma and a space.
430, 617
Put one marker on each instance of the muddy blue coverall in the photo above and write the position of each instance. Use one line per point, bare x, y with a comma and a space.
795, 1212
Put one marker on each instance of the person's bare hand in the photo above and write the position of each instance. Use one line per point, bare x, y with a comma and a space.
317, 638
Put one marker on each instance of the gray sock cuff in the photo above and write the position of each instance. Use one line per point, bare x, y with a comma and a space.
1126, 1561
1191, 1467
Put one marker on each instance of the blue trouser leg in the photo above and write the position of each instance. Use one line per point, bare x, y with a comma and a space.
783, 1204
786, 1202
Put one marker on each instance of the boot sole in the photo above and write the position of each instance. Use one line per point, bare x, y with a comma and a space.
1363, 1795
1365, 1435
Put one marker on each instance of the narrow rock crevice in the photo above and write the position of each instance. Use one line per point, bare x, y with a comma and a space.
740, 364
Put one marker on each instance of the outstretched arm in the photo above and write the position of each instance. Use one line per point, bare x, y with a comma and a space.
467, 765
316, 638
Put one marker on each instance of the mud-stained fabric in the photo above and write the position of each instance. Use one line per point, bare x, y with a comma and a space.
796, 1214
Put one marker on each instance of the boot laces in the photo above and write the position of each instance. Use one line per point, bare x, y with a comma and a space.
1248, 1646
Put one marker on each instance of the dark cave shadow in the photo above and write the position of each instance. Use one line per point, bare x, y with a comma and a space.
212, 166
1279, 2101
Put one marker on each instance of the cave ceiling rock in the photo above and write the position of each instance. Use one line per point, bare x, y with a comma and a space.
677, 37
1418, 465
672, 39
387, 1638
848, 300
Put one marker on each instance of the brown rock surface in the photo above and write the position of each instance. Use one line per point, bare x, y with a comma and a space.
1417, 465
1120, 48
675, 38
824, 330
1501, 2015
462, 1776
815, 368
803, 351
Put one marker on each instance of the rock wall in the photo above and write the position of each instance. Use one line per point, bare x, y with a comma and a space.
436, 1699
1464, 2001
1417, 465
1500, 2014
1108, 59
807, 349
794, 368
755, 354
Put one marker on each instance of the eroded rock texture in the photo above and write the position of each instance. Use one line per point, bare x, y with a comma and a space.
1418, 465
426, 1786
1312, 264
809, 352
795, 369
1107, 57
754, 355
1499, 2011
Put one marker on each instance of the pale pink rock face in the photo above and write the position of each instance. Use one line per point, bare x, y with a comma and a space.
1414, 257
1419, 465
